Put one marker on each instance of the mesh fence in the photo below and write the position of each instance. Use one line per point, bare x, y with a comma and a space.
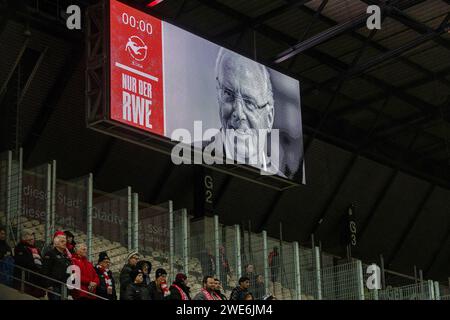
3, 186
419, 291
36, 196
254, 262
308, 274
229, 264
342, 282
201, 251
71, 205
180, 239
110, 216
154, 234
287, 272
10, 193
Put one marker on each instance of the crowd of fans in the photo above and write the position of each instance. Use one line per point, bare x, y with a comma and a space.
45, 273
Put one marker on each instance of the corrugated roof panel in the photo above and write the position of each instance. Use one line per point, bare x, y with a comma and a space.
427, 92
397, 108
295, 23
440, 58
318, 74
389, 28
358, 89
303, 63
340, 10
253, 8
428, 10
441, 130
395, 72
340, 45
398, 39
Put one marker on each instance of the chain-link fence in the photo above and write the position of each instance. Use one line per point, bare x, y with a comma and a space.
343, 282
288, 271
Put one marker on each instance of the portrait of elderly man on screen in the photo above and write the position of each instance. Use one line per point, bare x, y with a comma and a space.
246, 111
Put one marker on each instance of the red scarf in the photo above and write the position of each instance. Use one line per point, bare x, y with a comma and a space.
209, 296
106, 276
182, 293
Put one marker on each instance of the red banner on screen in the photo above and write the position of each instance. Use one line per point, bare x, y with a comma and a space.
137, 96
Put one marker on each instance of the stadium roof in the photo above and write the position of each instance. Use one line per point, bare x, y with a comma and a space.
375, 109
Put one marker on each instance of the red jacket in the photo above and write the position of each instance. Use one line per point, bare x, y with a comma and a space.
88, 274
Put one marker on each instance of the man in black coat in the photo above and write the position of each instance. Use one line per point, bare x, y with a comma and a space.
125, 279
107, 286
158, 288
27, 256
56, 262
136, 290
179, 289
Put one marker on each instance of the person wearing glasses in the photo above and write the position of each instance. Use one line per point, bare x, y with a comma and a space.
28, 256
246, 108
125, 279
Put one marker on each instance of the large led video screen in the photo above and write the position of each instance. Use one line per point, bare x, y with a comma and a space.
172, 83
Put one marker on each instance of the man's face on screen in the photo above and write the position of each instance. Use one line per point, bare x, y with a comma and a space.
245, 98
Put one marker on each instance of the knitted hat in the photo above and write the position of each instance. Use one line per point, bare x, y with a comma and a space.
180, 277
58, 233
159, 272
102, 256
132, 253
134, 273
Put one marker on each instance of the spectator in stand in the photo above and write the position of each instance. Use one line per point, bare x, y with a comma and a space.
136, 290
6, 260
70, 241
27, 256
250, 274
239, 292
56, 262
146, 267
218, 289
107, 286
159, 289
132, 259
274, 264
208, 261
248, 296
88, 276
208, 290
225, 270
260, 288
179, 289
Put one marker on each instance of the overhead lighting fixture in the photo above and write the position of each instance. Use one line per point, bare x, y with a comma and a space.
154, 3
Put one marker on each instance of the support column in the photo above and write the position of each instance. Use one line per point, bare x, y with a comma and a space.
90, 191
298, 284
238, 251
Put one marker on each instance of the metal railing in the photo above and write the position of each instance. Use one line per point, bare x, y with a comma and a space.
22, 282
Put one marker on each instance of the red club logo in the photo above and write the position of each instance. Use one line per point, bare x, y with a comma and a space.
137, 48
